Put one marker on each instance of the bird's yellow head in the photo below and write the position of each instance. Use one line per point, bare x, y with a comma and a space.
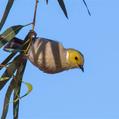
75, 59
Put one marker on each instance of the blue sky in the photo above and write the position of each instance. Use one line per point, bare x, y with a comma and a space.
72, 94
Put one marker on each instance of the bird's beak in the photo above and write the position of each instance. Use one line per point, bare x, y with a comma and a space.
81, 67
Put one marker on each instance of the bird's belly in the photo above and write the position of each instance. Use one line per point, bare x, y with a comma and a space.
47, 59
47, 66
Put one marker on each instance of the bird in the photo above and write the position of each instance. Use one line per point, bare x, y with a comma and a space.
50, 56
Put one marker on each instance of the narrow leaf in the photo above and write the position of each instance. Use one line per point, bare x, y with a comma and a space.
46, 1
7, 100
9, 71
7, 60
17, 89
87, 7
12, 50
62, 5
29, 87
10, 33
6, 12
4, 78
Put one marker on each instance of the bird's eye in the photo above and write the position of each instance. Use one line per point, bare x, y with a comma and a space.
76, 58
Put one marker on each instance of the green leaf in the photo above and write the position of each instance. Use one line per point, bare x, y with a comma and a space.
19, 65
7, 99
12, 50
9, 72
10, 33
46, 1
6, 12
29, 87
62, 5
4, 78
87, 7
7, 60
17, 89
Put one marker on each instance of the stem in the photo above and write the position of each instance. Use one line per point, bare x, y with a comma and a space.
32, 33
34, 18
28, 24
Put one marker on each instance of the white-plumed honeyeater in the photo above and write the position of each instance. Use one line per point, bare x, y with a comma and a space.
51, 57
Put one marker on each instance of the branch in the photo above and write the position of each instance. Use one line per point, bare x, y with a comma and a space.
34, 18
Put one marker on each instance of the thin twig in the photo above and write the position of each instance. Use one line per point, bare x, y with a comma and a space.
34, 18
28, 24
32, 33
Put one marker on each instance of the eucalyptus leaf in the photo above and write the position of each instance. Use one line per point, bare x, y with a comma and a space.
6, 12
4, 78
62, 5
47, 1
10, 33
17, 89
7, 99
9, 72
7, 60
87, 7
29, 87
